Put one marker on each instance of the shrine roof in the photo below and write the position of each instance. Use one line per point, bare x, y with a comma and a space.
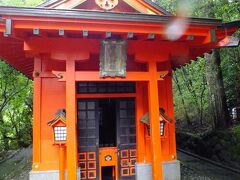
99, 15
201, 35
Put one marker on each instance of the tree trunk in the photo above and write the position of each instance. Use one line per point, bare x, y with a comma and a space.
201, 100
188, 82
217, 97
175, 78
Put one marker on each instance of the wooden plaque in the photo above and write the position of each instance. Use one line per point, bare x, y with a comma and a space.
113, 57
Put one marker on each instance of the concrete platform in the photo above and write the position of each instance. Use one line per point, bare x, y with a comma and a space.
171, 171
48, 175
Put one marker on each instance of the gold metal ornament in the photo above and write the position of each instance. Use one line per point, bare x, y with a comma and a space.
107, 4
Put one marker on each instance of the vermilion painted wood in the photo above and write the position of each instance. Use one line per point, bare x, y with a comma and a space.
61, 161
71, 119
37, 92
113, 152
76, 57
140, 138
170, 112
94, 76
180, 51
156, 149
53, 98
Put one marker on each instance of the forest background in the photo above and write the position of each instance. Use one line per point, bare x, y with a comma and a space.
205, 91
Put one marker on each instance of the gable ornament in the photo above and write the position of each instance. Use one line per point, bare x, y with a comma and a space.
107, 4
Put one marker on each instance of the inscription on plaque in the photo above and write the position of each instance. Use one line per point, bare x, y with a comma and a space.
113, 57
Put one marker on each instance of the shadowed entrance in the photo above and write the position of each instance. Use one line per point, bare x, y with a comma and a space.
107, 123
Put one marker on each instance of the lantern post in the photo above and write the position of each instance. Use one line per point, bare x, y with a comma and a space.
58, 125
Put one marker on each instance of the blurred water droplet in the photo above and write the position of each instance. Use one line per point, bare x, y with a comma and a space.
176, 29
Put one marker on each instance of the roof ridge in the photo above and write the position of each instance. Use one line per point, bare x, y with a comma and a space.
48, 2
158, 7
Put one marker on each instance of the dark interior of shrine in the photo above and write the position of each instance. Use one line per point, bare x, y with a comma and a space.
108, 173
107, 122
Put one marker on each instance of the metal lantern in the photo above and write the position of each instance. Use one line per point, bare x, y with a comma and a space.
162, 124
163, 118
60, 133
59, 127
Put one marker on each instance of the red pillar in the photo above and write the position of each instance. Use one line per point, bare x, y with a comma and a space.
71, 143
154, 122
37, 87
172, 134
61, 161
140, 139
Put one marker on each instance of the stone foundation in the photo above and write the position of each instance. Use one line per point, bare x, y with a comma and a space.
48, 175
170, 170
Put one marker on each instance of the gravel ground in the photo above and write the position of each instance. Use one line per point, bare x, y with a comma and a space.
190, 174
195, 169
18, 166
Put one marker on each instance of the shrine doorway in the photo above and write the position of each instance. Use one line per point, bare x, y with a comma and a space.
107, 138
107, 122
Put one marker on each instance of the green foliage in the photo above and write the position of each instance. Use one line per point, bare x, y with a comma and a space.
20, 2
194, 91
231, 76
15, 99
195, 94
15, 108
169, 5
236, 131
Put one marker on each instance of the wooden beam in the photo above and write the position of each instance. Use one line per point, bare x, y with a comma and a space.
71, 120
58, 48
103, 26
106, 95
94, 76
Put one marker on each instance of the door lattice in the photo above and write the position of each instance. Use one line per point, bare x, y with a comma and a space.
126, 138
88, 138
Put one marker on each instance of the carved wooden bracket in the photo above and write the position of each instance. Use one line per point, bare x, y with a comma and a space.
36, 74
59, 74
162, 74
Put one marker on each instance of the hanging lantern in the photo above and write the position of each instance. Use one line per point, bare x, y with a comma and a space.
60, 133
163, 118
58, 125
162, 125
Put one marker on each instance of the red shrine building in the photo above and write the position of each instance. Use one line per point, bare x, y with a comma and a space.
102, 75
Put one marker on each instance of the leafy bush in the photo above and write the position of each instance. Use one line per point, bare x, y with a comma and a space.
236, 132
